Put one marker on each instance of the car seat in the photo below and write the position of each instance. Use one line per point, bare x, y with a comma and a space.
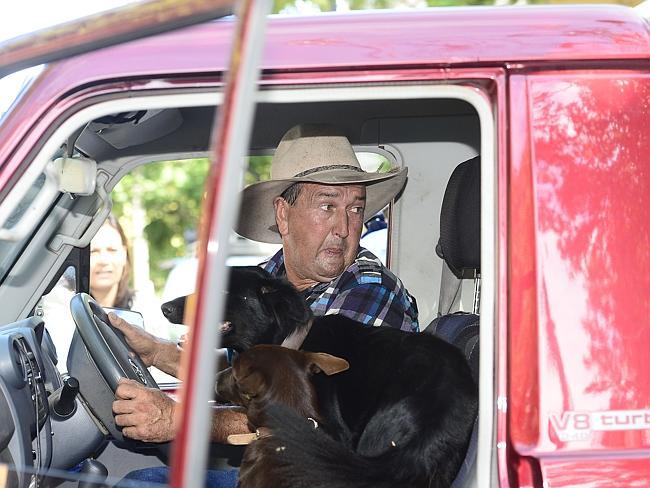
460, 248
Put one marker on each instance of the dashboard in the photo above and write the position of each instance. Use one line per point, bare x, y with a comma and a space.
44, 424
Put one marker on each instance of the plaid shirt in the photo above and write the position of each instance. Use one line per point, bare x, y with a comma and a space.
367, 292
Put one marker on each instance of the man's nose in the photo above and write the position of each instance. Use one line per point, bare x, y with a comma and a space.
342, 225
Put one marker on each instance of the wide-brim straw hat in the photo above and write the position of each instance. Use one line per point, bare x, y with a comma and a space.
312, 154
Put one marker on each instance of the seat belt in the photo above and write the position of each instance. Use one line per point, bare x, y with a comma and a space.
449, 291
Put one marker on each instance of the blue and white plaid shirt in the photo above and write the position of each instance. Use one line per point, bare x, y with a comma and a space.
367, 292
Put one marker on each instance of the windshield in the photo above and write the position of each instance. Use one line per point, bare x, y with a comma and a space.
9, 249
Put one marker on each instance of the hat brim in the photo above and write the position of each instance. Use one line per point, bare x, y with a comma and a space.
257, 215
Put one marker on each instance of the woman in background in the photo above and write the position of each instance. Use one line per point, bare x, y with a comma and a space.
110, 273
110, 266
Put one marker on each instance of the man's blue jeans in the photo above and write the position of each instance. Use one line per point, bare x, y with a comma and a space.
214, 478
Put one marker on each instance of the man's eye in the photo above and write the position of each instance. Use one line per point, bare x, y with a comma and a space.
357, 210
326, 206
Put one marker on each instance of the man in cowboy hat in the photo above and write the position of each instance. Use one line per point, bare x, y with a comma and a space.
315, 204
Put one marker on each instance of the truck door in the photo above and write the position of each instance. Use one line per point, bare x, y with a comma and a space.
231, 134
578, 278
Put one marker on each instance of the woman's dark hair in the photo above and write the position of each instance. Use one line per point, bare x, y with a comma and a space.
124, 296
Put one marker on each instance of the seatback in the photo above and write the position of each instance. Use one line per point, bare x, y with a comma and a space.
460, 220
460, 247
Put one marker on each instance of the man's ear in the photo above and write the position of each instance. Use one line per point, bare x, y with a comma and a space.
281, 218
328, 364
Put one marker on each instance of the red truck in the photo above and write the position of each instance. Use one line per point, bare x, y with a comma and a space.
554, 100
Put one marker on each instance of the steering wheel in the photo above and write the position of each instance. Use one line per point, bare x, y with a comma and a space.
99, 357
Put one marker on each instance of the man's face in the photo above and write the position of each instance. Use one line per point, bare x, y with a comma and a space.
321, 231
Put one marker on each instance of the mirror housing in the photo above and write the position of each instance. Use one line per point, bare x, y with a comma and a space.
77, 175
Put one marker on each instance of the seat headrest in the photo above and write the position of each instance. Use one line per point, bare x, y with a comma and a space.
460, 220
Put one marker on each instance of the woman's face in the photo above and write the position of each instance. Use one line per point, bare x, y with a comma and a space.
107, 259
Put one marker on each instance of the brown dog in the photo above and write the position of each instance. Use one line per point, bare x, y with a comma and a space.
267, 375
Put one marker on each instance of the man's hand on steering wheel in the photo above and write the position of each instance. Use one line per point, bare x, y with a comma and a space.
153, 351
145, 414
142, 342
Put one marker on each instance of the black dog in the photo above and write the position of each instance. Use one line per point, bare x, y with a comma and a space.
174, 310
408, 401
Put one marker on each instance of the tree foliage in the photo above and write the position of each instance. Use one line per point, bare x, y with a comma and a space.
170, 194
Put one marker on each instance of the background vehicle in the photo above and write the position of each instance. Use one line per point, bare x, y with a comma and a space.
553, 99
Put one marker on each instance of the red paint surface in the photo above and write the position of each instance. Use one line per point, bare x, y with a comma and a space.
598, 473
585, 347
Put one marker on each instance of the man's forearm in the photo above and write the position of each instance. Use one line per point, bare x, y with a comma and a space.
168, 358
226, 421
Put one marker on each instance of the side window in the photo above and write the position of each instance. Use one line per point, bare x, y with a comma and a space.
145, 252
375, 233
158, 207
10, 248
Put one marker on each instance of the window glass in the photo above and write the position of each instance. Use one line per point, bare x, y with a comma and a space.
9, 249
375, 233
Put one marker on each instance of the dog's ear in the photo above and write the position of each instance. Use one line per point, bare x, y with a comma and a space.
289, 308
328, 364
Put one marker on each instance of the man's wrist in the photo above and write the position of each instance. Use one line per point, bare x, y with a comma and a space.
167, 356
